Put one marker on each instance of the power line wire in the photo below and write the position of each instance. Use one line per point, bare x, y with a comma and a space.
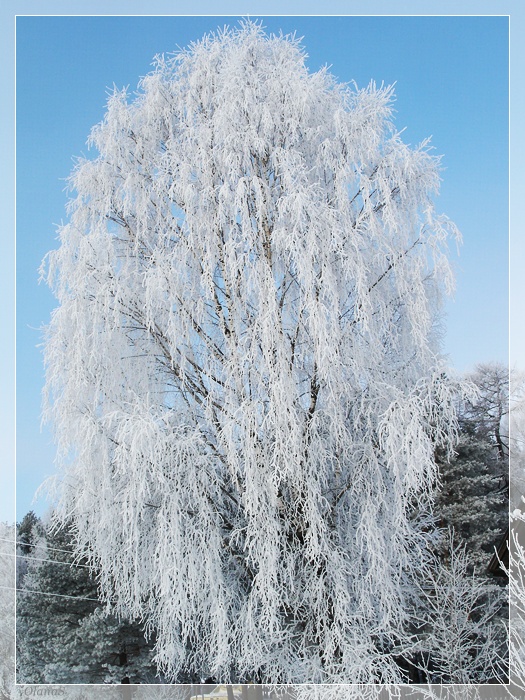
28, 544
51, 561
57, 595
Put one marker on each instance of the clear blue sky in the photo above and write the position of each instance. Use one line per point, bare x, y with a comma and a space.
451, 76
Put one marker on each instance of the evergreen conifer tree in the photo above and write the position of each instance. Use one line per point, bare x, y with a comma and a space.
63, 632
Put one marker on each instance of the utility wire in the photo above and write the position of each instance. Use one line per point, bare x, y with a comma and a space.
51, 561
28, 544
56, 595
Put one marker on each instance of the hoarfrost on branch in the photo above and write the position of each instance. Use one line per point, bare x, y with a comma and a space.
243, 371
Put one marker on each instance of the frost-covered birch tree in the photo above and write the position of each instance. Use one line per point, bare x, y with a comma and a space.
462, 637
243, 371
